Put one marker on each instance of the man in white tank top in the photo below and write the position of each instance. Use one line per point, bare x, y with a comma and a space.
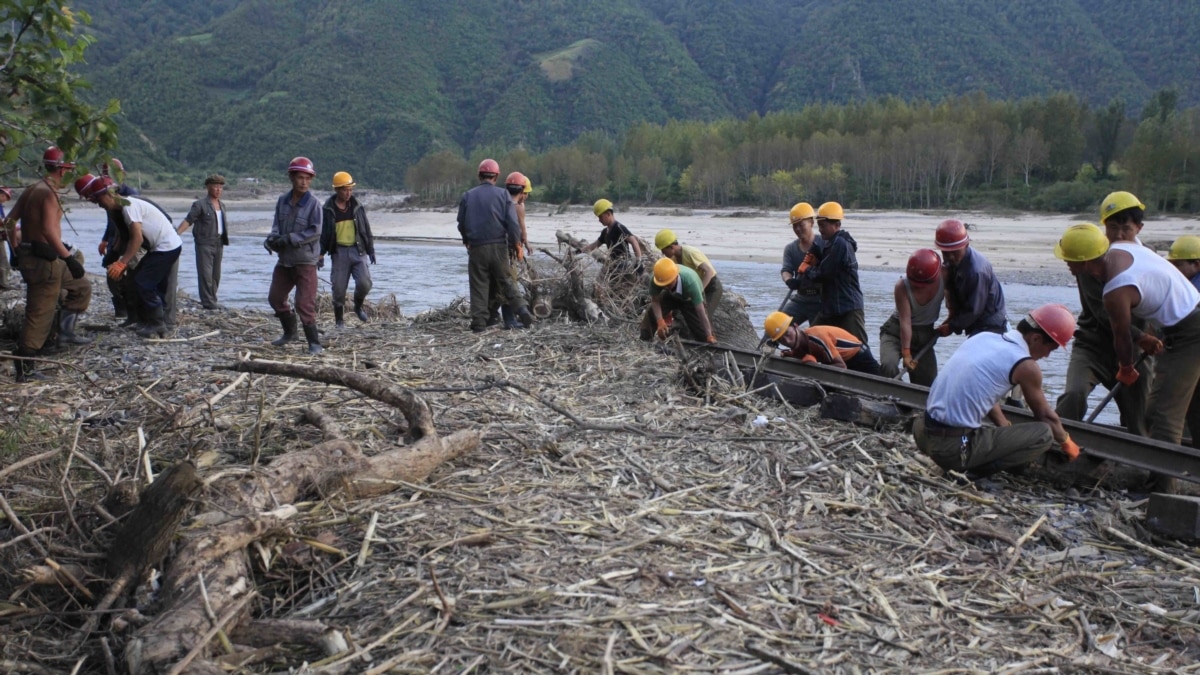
971, 386
1140, 283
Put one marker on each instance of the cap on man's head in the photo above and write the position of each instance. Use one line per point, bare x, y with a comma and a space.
214, 179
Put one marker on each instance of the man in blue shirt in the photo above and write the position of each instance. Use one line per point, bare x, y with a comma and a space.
974, 297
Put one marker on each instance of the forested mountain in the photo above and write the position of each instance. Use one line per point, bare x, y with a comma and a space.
244, 85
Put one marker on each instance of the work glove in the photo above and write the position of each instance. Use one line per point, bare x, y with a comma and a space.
810, 259
795, 283
663, 329
712, 339
321, 263
116, 270
944, 329
1127, 374
372, 256
103, 247
910, 364
75, 268
1150, 344
808, 358
1071, 449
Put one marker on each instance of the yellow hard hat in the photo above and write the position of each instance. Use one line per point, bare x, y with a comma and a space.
1186, 247
776, 325
601, 206
664, 238
342, 179
1118, 201
800, 212
665, 272
1081, 243
528, 186
830, 211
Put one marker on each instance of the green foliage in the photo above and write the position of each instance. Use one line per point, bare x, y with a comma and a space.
42, 102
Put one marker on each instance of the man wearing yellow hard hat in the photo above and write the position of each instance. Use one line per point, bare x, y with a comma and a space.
1185, 256
624, 249
692, 258
346, 237
804, 300
674, 288
834, 265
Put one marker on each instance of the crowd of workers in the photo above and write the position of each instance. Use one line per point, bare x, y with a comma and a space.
1138, 332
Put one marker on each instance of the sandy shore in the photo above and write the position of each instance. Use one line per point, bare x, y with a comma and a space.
1014, 243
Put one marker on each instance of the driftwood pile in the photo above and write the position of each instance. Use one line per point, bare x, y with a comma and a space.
601, 505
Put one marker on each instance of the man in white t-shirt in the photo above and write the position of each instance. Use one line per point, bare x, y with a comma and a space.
148, 229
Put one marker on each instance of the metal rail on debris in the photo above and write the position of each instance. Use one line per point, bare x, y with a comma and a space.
1098, 441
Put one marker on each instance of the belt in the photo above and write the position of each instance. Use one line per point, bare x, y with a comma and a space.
936, 428
1184, 323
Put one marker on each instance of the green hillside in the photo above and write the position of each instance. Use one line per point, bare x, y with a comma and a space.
378, 84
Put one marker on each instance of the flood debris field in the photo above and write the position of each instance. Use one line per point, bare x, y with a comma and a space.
626, 511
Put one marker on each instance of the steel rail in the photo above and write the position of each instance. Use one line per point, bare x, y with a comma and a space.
1097, 441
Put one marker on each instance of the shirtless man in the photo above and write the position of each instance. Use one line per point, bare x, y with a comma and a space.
46, 264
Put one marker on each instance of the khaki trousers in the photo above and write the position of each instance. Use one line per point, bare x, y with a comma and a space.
986, 450
1092, 365
1176, 376
889, 352
44, 281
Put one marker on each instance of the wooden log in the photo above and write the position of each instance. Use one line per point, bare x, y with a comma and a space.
1175, 516
864, 411
267, 632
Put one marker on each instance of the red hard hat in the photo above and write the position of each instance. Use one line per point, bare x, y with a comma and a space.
303, 165
515, 179
924, 266
489, 166
91, 187
53, 156
115, 163
1056, 320
951, 235
6, 192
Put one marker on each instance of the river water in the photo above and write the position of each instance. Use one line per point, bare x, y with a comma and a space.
424, 276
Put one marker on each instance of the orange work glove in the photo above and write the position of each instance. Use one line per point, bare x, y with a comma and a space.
909, 362
809, 261
103, 248
1150, 344
1127, 375
712, 339
1071, 448
663, 329
116, 270
808, 358
944, 329
520, 253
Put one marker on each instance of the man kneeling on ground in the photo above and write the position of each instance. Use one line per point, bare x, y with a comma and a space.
971, 387
829, 345
676, 288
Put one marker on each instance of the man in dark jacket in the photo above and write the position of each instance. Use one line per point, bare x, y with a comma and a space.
346, 237
974, 297
294, 236
834, 265
487, 221
211, 235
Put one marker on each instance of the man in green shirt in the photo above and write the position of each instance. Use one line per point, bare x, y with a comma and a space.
692, 258
674, 288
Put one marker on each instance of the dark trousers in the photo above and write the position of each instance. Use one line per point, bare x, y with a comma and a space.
153, 277
303, 278
802, 308
208, 270
890, 353
852, 322
863, 362
713, 293
488, 264
348, 262
671, 303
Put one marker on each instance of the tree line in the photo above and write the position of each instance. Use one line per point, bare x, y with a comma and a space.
1054, 153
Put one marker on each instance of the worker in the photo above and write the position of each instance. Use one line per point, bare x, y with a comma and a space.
974, 298
1185, 256
210, 236
1139, 283
834, 265
123, 293
1093, 357
969, 389
918, 296
487, 221
830, 345
624, 249
346, 236
676, 288
518, 187
46, 265
804, 301
5, 256
691, 257
295, 236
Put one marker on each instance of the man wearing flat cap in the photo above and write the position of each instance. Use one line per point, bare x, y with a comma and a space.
211, 235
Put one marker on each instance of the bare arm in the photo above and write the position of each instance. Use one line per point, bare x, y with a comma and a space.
996, 415
1119, 305
637, 246
183, 227
706, 274
704, 319
135, 242
521, 221
904, 314
1028, 376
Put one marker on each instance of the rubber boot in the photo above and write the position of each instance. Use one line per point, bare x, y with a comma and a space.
23, 370
339, 313
66, 329
289, 329
510, 322
154, 326
359, 311
119, 307
526, 316
314, 343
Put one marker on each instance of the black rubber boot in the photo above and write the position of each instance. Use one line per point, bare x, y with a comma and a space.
359, 311
23, 370
526, 316
289, 329
66, 329
314, 343
510, 322
338, 316
119, 307
154, 326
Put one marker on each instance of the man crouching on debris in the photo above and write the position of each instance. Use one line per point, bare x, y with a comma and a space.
971, 387
672, 288
829, 345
